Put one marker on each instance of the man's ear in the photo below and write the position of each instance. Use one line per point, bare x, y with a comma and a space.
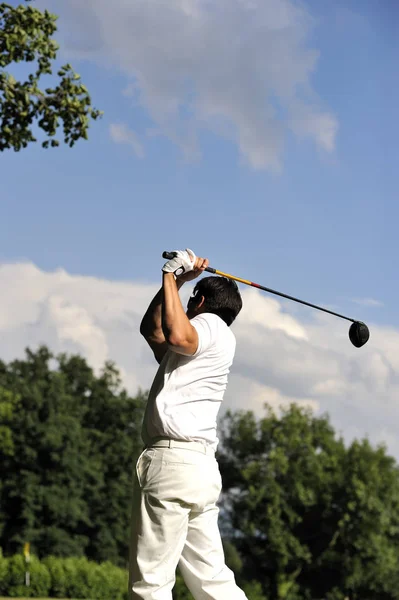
201, 302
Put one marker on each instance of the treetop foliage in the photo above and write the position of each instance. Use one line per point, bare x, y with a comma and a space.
68, 439
26, 37
317, 519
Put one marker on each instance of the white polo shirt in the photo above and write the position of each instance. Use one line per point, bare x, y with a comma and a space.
187, 391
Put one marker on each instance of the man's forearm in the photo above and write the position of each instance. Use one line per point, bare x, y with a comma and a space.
151, 324
174, 321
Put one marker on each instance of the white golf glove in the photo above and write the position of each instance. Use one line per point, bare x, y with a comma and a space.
182, 262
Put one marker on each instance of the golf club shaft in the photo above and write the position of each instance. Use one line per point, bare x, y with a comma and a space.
169, 255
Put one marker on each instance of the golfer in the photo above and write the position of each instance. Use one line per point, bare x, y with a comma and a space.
178, 483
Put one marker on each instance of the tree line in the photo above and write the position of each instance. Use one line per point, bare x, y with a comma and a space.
303, 516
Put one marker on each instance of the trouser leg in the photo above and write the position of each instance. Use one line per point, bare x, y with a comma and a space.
158, 534
202, 563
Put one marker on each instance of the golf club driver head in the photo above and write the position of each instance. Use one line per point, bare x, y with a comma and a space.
359, 334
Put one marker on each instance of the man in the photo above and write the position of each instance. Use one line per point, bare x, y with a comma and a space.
178, 483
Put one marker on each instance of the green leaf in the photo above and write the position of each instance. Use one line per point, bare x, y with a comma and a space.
26, 36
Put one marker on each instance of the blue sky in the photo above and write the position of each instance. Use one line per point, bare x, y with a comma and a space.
324, 228
296, 190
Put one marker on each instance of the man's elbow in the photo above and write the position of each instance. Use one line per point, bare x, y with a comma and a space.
176, 340
182, 343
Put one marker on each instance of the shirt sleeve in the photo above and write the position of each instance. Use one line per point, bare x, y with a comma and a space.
205, 328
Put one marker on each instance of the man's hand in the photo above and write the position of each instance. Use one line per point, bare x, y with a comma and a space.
183, 262
199, 267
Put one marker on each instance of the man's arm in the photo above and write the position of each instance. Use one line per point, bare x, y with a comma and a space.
162, 323
179, 334
151, 325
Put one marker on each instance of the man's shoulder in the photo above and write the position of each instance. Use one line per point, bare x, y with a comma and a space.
210, 318
213, 333
215, 324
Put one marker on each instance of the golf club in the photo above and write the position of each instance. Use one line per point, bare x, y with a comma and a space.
358, 332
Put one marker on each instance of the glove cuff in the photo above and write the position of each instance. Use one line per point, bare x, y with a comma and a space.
174, 273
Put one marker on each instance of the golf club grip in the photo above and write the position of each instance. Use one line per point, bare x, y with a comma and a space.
170, 255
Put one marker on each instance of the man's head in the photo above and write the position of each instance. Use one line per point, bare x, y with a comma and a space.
217, 295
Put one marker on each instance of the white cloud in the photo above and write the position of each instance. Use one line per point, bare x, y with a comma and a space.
279, 359
368, 302
253, 395
239, 68
97, 318
75, 325
269, 314
121, 134
320, 127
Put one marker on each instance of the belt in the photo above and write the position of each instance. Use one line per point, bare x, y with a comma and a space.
168, 443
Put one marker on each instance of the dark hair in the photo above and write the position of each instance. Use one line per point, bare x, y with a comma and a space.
221, 297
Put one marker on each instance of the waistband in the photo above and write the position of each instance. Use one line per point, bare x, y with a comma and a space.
168, 443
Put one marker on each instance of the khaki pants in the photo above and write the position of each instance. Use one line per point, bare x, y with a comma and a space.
175, 521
